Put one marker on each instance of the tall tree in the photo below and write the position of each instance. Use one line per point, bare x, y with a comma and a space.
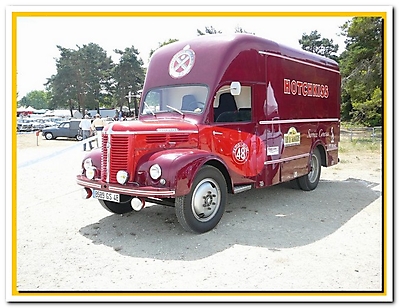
36, 99
129, 76
239, 29
361, 69
169, 41
208, 30
82, 78
322, 46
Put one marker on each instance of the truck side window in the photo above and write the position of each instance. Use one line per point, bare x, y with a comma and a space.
234, 108
227, 105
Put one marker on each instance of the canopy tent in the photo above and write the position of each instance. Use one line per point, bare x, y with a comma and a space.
25, 110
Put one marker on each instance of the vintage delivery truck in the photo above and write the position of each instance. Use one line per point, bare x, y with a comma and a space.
219, 115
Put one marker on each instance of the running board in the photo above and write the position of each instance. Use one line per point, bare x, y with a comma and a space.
240, 189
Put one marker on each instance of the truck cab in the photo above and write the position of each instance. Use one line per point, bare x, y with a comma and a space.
219, 115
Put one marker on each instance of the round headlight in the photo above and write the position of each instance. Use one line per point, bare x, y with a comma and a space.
88, 163
122, 176
155, 172
90, 173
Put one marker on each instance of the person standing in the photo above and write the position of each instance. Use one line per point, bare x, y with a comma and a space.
97, 126
85, 125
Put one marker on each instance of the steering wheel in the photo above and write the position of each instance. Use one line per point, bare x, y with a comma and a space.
196, 106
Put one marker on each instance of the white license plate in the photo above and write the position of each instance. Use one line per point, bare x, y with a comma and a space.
103, 195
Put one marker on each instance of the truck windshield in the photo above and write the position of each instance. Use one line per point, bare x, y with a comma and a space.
186, 98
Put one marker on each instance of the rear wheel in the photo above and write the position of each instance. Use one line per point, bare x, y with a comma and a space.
311, 180
79, 137
201, 210
118, 207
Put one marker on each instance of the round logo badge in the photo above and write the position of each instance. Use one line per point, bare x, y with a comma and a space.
240, 153
182, 63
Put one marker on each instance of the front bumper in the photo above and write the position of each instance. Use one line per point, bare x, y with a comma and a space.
135, 191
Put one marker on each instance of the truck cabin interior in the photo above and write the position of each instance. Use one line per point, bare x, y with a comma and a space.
228, 110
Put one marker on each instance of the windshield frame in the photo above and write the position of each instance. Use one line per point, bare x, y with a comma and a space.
169, 99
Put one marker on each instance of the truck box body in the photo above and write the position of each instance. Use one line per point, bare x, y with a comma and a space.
252, 112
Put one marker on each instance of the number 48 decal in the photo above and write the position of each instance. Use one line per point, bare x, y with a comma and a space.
240, 153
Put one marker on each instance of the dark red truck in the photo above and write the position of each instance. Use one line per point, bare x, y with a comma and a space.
219, 115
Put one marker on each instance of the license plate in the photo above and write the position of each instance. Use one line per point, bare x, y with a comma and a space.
103, 195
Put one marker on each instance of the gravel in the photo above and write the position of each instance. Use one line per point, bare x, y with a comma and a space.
270, 245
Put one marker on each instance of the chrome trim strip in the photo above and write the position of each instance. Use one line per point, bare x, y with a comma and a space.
276, 161
88, 184
239, 189
299, 121
142, 192
152, 132
332, 149
298, 61
108, 166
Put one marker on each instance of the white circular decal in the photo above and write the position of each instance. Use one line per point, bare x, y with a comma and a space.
240, 153
182, 63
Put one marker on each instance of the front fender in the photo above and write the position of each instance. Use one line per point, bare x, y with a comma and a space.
95, 156
179, 167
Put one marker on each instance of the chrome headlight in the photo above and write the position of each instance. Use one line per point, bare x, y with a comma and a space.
122, 176
155, 172
88, 163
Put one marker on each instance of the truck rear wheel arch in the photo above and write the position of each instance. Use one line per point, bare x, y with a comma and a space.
323, 156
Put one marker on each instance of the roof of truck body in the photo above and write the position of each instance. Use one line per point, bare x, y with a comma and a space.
214, 53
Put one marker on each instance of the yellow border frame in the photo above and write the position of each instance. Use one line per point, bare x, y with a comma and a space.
16, 15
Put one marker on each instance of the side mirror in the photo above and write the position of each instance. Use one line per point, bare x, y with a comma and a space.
235, 88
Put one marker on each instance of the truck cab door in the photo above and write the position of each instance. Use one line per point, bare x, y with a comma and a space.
233, 135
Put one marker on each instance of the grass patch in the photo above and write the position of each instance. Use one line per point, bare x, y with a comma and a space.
360, 145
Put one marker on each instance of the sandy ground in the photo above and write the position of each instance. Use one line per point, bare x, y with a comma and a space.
269, 242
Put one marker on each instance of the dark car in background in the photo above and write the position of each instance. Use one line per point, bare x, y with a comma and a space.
66, 129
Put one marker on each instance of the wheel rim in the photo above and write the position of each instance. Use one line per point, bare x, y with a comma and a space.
314, 169
49, 136
206, 200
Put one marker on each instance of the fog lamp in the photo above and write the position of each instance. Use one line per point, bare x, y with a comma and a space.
90, 173
122, 176
155, 172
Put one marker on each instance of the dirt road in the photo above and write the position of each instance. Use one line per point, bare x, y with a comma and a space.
273, 240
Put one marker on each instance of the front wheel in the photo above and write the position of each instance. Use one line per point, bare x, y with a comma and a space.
122, 207
201, 210
311, 180
48, 136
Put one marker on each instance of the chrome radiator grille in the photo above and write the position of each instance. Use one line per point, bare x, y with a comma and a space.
114, 156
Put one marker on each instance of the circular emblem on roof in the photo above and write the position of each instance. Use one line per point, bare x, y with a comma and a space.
182, 63
240, 153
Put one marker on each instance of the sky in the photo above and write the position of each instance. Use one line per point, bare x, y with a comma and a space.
38, 37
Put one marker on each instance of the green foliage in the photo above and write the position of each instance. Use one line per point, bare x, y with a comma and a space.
239, 29
35, 99
162, 44
208, 30
369, 112
361, 70
322, 46
128, 76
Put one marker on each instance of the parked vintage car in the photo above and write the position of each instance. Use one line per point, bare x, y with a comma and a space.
25, 125
39, 124
67, 129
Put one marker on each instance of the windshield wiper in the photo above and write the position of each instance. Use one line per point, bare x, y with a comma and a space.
148, 107
175, 109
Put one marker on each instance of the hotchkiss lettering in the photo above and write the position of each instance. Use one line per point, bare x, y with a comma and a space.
296, 87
